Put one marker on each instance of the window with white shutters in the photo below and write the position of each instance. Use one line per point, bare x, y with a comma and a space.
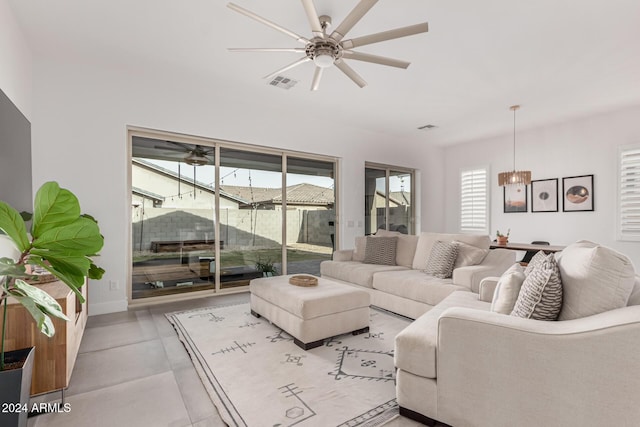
474, 201
628, 224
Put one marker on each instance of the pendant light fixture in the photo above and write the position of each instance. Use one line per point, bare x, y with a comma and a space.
515, 177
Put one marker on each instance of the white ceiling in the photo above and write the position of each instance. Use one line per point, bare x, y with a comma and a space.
559, 59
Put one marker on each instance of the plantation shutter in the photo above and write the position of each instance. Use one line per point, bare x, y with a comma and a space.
629, 194
474, 203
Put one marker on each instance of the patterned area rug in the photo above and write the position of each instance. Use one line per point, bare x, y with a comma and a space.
257, 376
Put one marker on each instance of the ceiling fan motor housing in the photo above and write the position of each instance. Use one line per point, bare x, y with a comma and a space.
318, 48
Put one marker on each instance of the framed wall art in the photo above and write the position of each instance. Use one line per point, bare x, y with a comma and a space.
515, 198
544, 195
577, 193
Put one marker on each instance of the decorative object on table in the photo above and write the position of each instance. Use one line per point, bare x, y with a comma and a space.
515, 198
62, 242
502, 239
267, 268
242, 359
544, 195
514, 177
577, 193
303, 280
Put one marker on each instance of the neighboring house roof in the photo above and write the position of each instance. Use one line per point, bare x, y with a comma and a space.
300, 194
401, 197
147, 194
167, 172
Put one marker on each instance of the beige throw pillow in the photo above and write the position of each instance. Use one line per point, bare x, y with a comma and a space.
441, 260
358, 251
595, 278
508, 289
469, 255
540, 297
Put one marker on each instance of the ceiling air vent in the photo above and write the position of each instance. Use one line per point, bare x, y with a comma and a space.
283, 82
427, 127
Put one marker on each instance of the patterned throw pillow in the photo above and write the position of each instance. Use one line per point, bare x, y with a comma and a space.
381, 250
442, 259
535, 262
540, 297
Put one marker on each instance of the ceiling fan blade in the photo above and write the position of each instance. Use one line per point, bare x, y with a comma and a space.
267, 49
386, 35
266, 22
352, 19
350, 73
317, 75
288, 67
382, 60
312, 16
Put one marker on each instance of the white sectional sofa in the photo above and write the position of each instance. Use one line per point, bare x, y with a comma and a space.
464, 365
405, 288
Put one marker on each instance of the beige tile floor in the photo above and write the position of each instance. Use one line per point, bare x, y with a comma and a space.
132, 371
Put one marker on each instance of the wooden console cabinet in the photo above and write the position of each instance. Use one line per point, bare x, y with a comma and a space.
55, 356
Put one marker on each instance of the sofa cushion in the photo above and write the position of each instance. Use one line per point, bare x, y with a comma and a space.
414, 285
359, 250
381, 250
426, 241
540, 297
441, 260
354, 272
595, 278
469, 255
416, 345
634, 298
507, 289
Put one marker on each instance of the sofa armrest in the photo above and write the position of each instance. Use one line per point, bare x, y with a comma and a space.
343, 255
494, 368
495, 263
487, 288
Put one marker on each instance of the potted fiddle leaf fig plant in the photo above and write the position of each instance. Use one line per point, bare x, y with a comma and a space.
61, 241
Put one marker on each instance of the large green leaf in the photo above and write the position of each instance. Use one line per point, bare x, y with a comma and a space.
72, 264
95, 272
13, 225
74, 281
81, 237
53, 207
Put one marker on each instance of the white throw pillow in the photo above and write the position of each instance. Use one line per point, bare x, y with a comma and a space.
358, 252
469, 255
507, 290
540, 297
595, 278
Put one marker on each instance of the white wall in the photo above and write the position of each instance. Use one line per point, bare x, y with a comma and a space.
15, 62
580, 147
79, 139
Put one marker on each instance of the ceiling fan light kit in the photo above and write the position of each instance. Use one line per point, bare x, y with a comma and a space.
327, 50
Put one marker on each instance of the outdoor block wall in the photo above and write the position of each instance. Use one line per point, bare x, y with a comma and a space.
238, 228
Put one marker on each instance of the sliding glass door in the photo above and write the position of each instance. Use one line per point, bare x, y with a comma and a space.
310, 213
388, 199
211, 216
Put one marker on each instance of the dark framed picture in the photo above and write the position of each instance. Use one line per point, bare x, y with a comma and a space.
544, 195
515, 198
577, 193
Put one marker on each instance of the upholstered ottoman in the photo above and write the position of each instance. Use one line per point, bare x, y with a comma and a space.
310, 314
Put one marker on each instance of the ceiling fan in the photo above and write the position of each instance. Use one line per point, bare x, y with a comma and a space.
328, 49
196, 154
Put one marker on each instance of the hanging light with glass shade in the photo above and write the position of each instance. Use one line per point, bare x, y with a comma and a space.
515, 177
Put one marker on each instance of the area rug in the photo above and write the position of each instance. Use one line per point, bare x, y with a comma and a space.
257, 376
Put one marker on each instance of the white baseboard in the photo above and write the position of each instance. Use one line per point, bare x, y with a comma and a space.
107, 307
